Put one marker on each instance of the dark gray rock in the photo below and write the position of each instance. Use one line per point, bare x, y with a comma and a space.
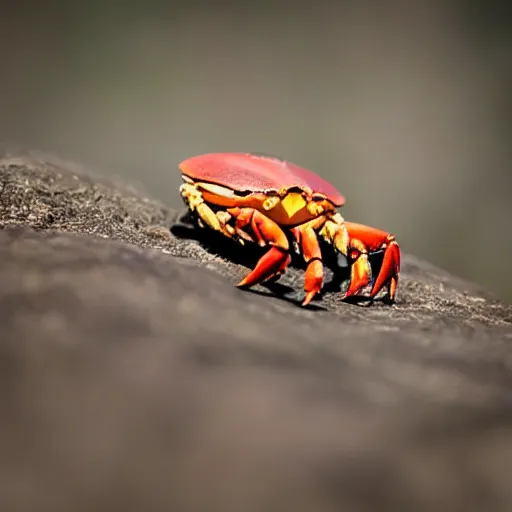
135, 376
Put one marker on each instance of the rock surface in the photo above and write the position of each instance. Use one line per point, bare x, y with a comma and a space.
135, 376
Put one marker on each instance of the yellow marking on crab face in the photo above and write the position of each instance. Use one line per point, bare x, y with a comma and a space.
293, 203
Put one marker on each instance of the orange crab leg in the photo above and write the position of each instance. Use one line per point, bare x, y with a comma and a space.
389, 271
307, 239
360, 273
365, 240
266, 232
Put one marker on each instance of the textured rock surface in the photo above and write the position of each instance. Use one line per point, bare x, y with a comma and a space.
135, 375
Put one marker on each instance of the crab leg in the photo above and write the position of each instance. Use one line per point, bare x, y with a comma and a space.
266, 232
307, 239
195, 201
357, 242
364, 240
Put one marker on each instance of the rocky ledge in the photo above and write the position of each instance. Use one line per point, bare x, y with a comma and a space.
136, 376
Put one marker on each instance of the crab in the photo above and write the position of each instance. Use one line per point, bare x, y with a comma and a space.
277, 204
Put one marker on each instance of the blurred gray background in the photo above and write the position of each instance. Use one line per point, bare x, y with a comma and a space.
404, 105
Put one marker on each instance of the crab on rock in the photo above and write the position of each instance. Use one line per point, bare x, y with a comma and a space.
260, 199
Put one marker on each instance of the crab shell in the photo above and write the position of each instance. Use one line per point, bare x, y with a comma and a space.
228, 177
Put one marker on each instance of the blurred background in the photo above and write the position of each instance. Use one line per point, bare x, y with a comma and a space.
404, 105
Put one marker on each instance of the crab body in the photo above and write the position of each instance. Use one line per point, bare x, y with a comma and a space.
262, 199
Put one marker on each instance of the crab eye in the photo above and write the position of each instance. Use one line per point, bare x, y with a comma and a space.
353, 254
317, 197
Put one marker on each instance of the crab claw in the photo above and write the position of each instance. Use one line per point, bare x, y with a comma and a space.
365, 240
266, 232
389, 270
360, 272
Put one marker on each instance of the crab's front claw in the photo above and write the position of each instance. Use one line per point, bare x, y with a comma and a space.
389, 271
365, 240
360, 272
266, 232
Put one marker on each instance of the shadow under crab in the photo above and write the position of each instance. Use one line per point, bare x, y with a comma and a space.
337, 267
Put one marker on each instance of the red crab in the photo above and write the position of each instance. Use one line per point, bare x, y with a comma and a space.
260, 199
